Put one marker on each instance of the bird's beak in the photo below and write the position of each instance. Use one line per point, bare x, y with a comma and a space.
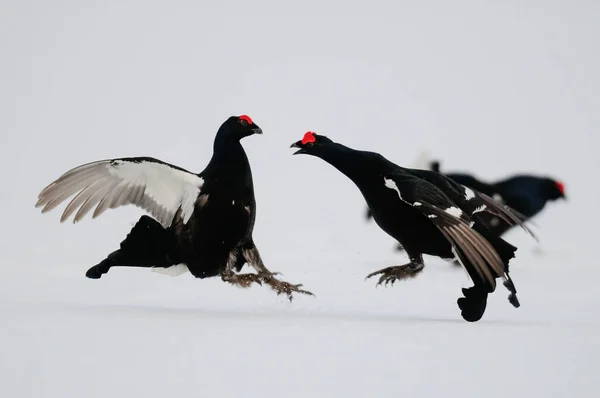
297, 145
257, 130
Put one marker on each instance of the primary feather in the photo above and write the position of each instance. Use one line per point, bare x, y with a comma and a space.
155, 186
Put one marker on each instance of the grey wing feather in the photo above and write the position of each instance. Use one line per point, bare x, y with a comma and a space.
474, 246
455, 228
506, 213
479, 202
155, 186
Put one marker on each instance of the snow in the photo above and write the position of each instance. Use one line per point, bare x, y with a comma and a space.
496, 90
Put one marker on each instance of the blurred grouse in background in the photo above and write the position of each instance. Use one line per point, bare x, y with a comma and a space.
427, 213
201, 222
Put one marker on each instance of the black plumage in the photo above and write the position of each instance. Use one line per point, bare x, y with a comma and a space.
427, 213
201, 222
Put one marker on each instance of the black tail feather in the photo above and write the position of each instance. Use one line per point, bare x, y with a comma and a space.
474, 302
506, 251
148, 245
472, 306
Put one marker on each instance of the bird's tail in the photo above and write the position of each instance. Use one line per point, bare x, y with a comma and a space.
149, 241
474, 302
506, 251
148, 245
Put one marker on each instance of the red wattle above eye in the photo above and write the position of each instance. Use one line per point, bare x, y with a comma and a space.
308, 137
246, 118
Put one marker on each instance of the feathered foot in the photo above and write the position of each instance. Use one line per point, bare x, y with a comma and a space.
241, 280
282, 287
399, 272
252, 256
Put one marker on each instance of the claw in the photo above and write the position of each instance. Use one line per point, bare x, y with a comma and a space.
381, 271
392, 274
280, 287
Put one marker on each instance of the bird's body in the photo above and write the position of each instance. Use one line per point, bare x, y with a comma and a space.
426, 213
224, 218
392, 214
201, 222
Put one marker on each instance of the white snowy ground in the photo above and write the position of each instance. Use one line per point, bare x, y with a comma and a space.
496, 89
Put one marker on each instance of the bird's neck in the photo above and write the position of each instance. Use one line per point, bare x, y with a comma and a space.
346, 160
228, 156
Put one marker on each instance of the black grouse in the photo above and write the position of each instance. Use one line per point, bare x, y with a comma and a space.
202, 222
527, 194
427, 213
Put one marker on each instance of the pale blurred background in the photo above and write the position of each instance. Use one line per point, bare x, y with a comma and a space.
493, 88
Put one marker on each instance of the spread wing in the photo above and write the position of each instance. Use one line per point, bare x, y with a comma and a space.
155, 186
453, 222
472, 201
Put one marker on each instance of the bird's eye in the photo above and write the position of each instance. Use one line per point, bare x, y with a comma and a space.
244, 122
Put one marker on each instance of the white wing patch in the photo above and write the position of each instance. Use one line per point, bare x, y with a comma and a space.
469, 194
173, 270
391, 184
166, 186
156, 187
479, 209
454, 211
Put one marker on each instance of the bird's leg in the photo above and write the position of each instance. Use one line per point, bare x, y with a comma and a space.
241, 280
253, 258
399, 272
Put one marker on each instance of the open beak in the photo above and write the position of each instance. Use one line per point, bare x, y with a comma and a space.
297, 145
257, 130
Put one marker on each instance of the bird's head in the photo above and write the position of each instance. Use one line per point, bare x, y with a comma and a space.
555, 190
239, 127
310, 143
